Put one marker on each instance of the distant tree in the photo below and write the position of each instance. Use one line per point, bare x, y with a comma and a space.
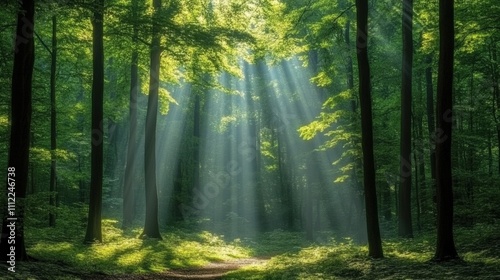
53, 132
151, 228
404, 209
372, 225
445, 249
431, 122
128, 186
21, 106
94, 232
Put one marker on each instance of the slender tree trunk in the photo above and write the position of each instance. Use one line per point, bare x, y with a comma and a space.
151, 228
21, 109
372, 225
130, 169
431, 122
496, 97
53, 135
404, 217
445, 248
196, 139
490, 154
94, 232
421, 167
418, 157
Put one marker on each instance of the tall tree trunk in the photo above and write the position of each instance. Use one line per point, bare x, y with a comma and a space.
151, 228
94, 232
130, 169
404, 216
53, 135
372, 225
496, 96
21, 109
196, 144
445, 248
431, 122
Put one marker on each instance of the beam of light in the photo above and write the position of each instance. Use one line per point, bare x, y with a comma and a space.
170, 134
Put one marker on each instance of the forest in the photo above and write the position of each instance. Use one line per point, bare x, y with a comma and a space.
249, 139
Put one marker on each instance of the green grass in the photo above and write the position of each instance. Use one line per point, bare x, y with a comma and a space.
479, 249
61, 254
123, 252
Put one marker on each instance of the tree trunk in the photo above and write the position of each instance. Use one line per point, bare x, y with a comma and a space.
496, 97
431, 122
404, 216
94, 232
196, 144
445, 249
130, 169
151, 228
372, 225
17, 172
53, 135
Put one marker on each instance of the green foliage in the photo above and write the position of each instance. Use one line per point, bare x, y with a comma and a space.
340, 125
404, 259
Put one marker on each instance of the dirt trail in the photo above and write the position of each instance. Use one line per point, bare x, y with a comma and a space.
210, 271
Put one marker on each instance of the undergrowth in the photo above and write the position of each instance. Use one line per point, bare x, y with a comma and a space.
479, 249
61, 250
61, 254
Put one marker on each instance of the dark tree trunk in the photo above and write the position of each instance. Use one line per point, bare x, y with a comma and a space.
94, 232
445, 249
130, 168
285, 184
196, 144
53, 135
175, 214
372, 225
19, 133
431, 122
496, 96
418, 157
151, 228
404, 215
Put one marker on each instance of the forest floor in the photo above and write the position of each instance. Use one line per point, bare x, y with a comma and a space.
41, 270
215, 270
59, 254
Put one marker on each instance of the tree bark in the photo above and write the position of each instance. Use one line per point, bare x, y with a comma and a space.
445, 248
20, 131
94, 232
372, 224
151, 228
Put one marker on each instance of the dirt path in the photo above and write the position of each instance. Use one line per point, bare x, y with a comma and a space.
210, 271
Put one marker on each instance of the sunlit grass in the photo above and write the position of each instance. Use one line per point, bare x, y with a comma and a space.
404, 259
124, 252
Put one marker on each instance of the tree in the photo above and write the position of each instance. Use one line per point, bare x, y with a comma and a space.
445, 248
431, 122
94, 232
372, 225
404, 209
21, 108
53, 132
151, 228
128, 187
